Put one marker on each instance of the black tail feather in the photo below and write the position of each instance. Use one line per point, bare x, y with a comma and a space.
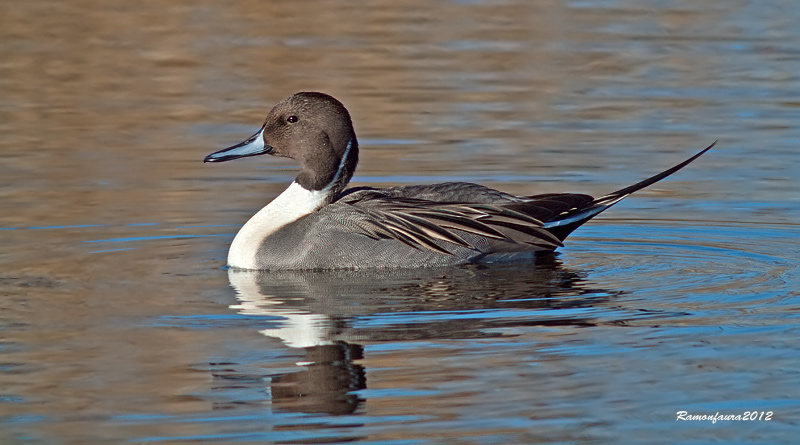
564, 224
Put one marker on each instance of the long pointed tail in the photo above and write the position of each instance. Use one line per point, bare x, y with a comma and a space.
562, 225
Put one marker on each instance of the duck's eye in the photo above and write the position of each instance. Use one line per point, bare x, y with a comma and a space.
291, 119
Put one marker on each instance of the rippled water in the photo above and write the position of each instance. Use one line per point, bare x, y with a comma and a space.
119, 322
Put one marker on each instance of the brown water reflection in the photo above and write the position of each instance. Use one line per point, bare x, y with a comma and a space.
116, 319
330, 315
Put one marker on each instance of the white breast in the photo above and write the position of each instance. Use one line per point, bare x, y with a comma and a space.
294, 203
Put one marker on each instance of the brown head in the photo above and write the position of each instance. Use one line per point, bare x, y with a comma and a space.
312, 128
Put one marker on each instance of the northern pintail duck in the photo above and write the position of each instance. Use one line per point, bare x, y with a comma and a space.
318, 224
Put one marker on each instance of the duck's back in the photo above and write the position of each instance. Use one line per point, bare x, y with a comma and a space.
465, 192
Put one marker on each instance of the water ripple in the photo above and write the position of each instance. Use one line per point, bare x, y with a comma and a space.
718, 265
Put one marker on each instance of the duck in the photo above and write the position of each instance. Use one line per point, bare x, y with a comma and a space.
318, 223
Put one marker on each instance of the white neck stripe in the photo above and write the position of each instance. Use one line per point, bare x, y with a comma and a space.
339, 170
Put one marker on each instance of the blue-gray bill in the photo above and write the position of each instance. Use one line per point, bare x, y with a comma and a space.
253, 146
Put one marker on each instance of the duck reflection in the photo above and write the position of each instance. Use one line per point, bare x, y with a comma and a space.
330, 314
327, 383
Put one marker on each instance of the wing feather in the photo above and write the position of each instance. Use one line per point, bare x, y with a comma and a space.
440, 226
